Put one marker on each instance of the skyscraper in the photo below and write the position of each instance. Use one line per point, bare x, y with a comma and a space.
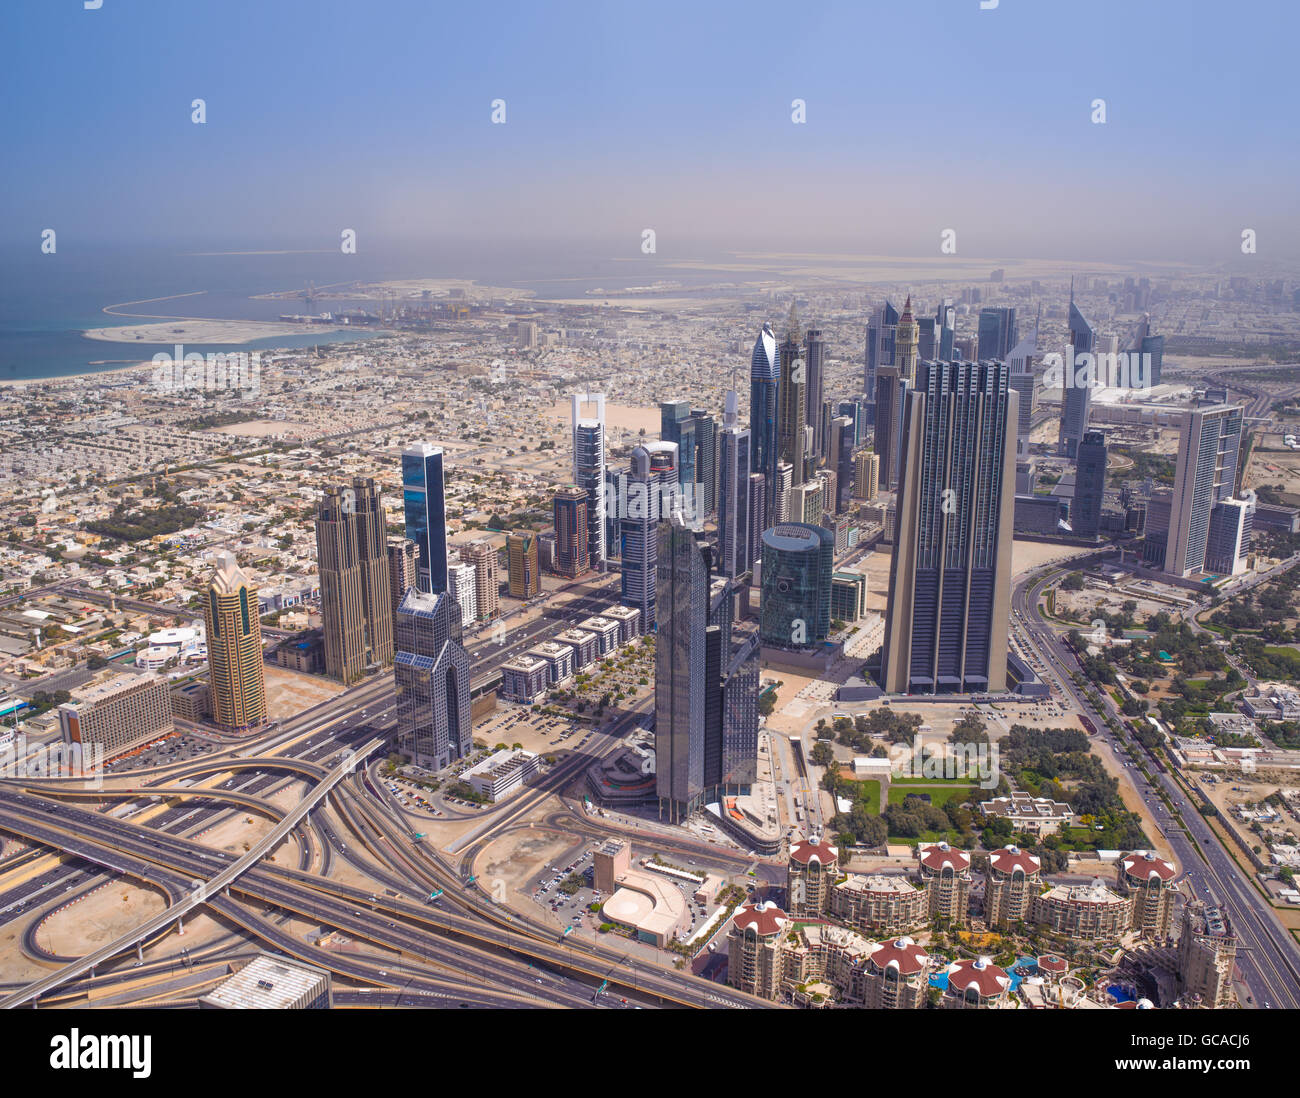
840, 459
795, 599
950, 578
1077, 398
589, 473
651, 487
425, 507
706, 678
234, 632
403, 569
1089, 485
997, 333
792, 401
706, 461
431, 674
461, 585
523, 570
1208, 530
764, 378
1023, 382
733, 494
866, 475
880, 347
945, 329
677, 426
681, 677
355, 589
1146, 372
571, 529
757, 514
814, 353
482, 554
892, 384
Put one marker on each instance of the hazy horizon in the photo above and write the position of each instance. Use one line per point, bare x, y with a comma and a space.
921, 117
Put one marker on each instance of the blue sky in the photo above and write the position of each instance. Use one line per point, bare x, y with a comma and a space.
922, 115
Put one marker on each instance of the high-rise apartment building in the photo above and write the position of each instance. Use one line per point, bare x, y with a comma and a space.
651, 489
1209, 530
733, 494
572, 557
116, 714
355, 584
866, 475
234, 633
950, 578
1207, 951
424, 506
757, 513
462, 583
589, 473
482, 554
706, 462
524, 573
431, 673
403, 569
1023, 382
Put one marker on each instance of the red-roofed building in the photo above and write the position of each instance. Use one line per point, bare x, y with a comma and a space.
754, 951
810, 874
1014, 877
976, 985
1151, 883
945, 872
896, 976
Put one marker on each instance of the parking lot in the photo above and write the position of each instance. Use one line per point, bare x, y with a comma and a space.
179, 747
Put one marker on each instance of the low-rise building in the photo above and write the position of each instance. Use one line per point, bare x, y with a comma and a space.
606, 630
524, 679
558, 659
585, 647
1035, 815
976, 985
502, 772
629, 621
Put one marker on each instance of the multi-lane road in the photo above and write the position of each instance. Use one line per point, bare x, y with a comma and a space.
1268, 959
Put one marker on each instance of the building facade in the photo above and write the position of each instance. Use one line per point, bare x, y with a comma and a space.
234, 632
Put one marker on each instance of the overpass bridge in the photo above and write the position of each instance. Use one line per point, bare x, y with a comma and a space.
200, 890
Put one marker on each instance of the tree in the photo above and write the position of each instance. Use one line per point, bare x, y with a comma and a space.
821, 754
1074, 582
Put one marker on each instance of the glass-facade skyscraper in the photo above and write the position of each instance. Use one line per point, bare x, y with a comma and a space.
431, 672
733, 494
764, 379
880, 348
651, 486
1089, 485
795, 598
997, 333
1077, 399
1203, 518
677, 426
589, 473
425, 508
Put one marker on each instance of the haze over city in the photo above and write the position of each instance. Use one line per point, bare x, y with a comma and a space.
723, 507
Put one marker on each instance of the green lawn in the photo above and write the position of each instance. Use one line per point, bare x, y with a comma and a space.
940, 792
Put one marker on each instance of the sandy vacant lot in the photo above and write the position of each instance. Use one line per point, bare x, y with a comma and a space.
290, 692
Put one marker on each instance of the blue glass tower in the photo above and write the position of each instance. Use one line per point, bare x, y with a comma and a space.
425, 505
764, 379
